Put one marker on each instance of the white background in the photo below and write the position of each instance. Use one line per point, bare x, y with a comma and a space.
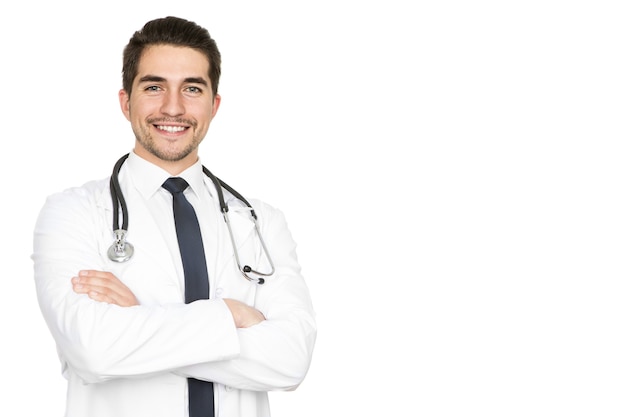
453, 172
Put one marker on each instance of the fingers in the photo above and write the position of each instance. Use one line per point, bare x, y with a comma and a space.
103, 286
243, 314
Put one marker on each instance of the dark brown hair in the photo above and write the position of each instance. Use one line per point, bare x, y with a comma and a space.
170, 31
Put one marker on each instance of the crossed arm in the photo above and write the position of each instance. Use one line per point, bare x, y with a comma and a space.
105, 287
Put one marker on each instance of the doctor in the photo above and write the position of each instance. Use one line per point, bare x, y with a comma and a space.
127, 341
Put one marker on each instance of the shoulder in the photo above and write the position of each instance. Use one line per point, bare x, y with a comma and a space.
73, 200
91, 190
263, 207
267, 214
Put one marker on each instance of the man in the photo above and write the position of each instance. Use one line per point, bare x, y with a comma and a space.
129, 342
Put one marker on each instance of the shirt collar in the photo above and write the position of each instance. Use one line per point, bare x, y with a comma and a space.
148, 178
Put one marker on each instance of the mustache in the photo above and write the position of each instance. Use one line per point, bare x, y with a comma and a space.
178, 120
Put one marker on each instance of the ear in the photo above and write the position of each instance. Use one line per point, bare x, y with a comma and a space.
124, 103
216, 104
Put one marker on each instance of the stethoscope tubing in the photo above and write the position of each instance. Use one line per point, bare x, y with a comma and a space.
122, 251
118, 196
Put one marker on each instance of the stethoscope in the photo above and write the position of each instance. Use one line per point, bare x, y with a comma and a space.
122, 251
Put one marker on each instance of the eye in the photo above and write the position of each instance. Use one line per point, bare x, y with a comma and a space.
194, 90
152, 88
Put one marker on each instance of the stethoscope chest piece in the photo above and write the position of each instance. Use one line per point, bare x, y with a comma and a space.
120, 250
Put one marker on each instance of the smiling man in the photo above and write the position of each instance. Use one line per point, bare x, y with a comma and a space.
177, 327
171, 106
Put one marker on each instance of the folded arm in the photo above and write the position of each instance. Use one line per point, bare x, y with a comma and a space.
100, 340
276, 353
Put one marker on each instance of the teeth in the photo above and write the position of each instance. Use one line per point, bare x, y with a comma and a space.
171, 129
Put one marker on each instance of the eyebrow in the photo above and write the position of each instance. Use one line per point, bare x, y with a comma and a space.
189, 80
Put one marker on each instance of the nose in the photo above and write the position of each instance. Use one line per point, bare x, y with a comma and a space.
172, 104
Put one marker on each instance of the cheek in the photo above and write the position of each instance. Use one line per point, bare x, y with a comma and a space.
142, 109
202, 117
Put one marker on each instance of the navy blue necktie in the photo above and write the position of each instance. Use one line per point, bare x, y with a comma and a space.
196, 281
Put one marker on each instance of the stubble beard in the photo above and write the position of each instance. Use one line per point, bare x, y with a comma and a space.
147, 141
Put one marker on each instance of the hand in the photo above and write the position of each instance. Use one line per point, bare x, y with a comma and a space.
244, 315
105, 287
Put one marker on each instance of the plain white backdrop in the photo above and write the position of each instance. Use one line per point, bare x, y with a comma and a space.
454, 174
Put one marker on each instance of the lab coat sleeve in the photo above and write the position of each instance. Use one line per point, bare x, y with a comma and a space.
100, 341
276, 353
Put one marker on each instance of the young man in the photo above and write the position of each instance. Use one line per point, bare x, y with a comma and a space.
130, 340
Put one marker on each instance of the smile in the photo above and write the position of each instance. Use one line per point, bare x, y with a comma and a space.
171, 129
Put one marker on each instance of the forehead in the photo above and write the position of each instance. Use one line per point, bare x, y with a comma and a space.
173, 62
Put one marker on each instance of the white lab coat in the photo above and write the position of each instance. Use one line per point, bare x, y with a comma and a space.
134, 361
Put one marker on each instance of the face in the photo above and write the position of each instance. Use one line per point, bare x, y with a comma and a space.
171, 106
